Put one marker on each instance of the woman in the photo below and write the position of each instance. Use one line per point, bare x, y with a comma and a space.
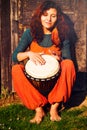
46, 31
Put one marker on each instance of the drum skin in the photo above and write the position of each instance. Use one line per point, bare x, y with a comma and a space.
44, 85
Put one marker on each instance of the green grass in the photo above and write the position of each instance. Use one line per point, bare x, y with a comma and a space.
16, 117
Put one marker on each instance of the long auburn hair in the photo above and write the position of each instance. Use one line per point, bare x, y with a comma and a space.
36, 26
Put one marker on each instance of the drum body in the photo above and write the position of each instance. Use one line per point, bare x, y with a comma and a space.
43, 77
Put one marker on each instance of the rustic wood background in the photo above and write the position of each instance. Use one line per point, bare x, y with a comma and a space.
15, 16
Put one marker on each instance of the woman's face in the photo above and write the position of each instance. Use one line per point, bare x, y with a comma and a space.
48, 18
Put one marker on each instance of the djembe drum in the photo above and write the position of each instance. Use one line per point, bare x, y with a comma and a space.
43, 77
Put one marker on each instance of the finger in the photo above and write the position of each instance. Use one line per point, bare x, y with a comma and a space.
41, 53
40, 60
52, 52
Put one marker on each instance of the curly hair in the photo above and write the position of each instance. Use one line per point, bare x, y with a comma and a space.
36, 26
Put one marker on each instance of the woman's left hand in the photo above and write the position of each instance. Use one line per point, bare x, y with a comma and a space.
55, 54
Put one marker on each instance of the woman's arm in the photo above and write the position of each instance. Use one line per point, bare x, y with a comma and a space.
66, 53
19, 53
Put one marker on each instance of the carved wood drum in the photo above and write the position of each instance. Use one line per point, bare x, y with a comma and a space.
43, 77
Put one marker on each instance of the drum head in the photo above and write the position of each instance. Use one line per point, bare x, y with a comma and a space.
49, 70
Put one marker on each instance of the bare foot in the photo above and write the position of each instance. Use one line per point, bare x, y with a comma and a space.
38, 116
54, 112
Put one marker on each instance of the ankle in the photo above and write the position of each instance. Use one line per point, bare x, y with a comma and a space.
55, 105
39, 109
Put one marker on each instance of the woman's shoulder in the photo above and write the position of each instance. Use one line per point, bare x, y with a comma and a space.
27, 31
27, 34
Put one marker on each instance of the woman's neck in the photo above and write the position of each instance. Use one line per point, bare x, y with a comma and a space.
47, 31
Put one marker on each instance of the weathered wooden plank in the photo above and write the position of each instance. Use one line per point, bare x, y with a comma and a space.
5, 44
0, 46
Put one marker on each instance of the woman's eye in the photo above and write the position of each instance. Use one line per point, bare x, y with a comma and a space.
53, 16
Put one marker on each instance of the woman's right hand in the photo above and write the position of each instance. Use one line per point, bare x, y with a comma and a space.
36, 57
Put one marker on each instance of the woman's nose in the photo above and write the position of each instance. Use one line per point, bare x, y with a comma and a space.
49, 18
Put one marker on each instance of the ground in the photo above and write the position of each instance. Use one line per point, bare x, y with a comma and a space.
78, 99
11, 99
